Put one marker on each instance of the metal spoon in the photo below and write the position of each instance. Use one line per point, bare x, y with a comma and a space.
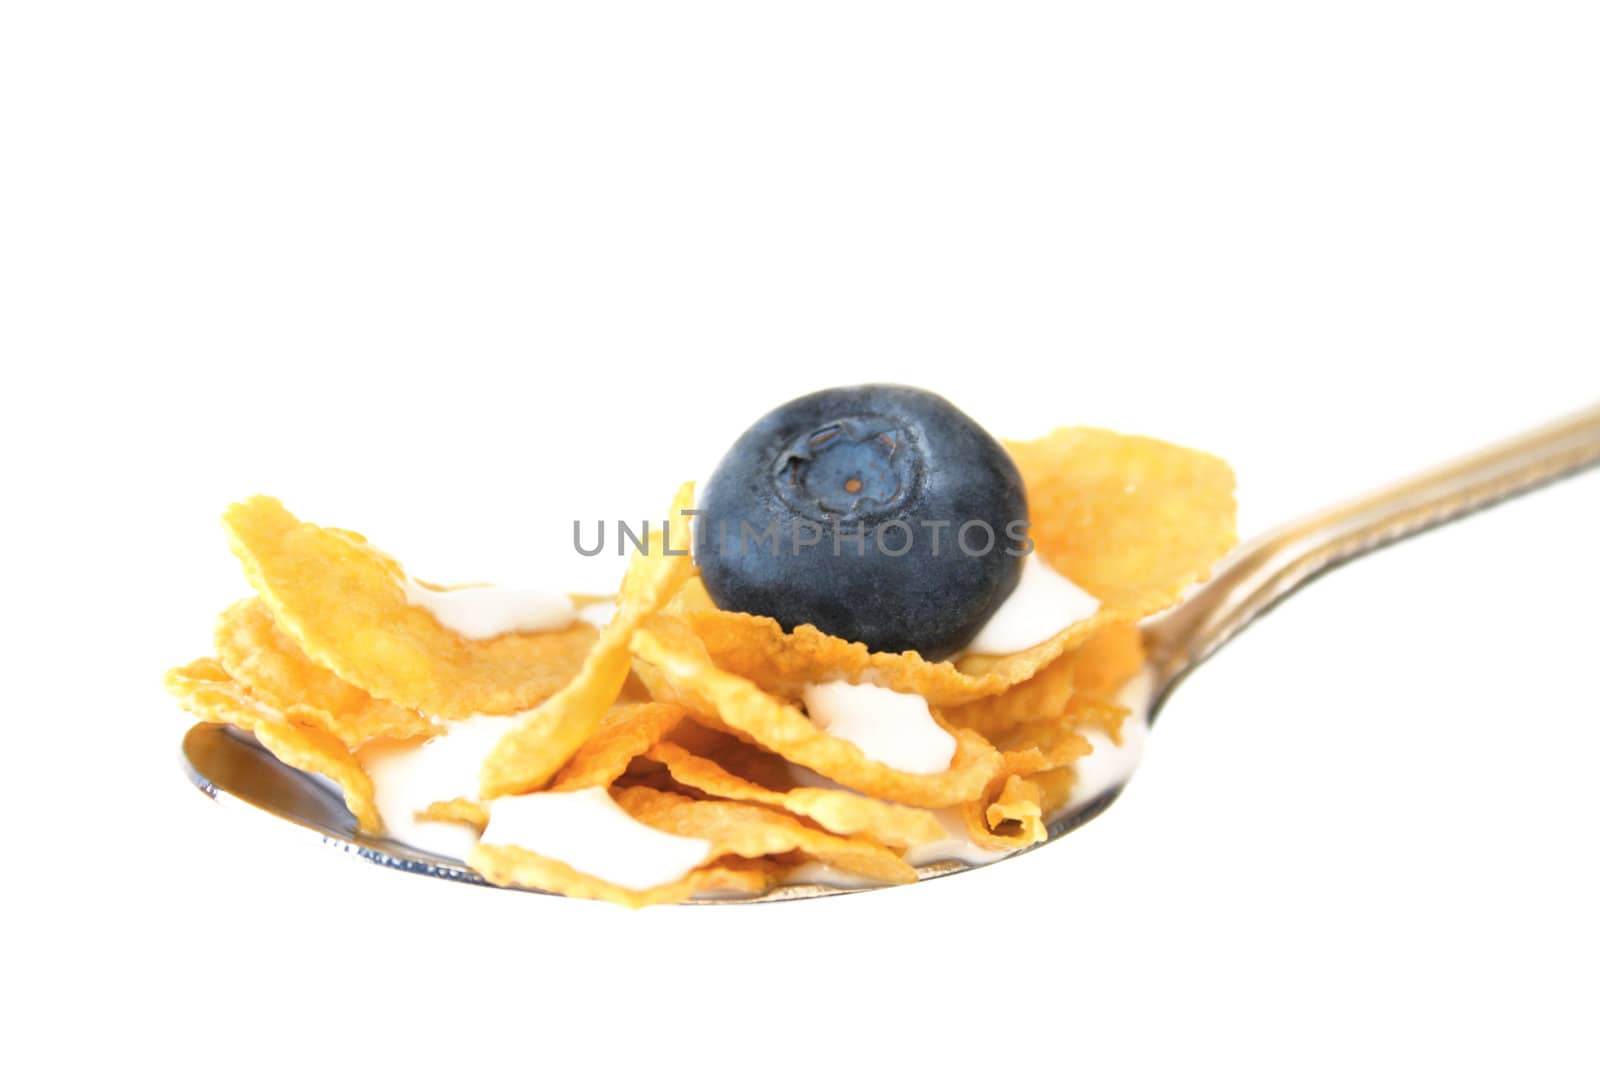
232, 769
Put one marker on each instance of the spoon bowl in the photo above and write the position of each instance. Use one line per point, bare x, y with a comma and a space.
232, 769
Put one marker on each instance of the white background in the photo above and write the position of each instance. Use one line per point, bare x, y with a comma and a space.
454, 275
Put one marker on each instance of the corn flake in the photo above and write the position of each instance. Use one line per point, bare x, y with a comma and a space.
460, 810
532, 751
254, 651
508, 865
687, 675
1132, 520
627, 731
207, 691
835, 810
1014, 819
344, 604
1097, 670
750, 831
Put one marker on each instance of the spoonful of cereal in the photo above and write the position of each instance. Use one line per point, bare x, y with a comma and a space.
884, 647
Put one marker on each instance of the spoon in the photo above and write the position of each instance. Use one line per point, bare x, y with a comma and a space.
232, 769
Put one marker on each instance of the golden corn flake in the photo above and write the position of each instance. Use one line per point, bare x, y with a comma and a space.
508, 865
690, 676
757, 648
1014, 819
1020, 801
532, 751
460, 810
738, 876
1036, 776
692, 597
647, 773
750, 831
1087, 712
1055, 787
1131, 520
744, 839
1000, 817
206, 691
627, 731
1006, 798
1099, 669
735, 755
835, 810
1108, 660
344, 604
1043, 696
1083, 712
1040, 744
255, 652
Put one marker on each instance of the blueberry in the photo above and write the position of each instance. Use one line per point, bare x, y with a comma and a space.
877, 513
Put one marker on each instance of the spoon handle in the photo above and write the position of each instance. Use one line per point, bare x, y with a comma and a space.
1266, 570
